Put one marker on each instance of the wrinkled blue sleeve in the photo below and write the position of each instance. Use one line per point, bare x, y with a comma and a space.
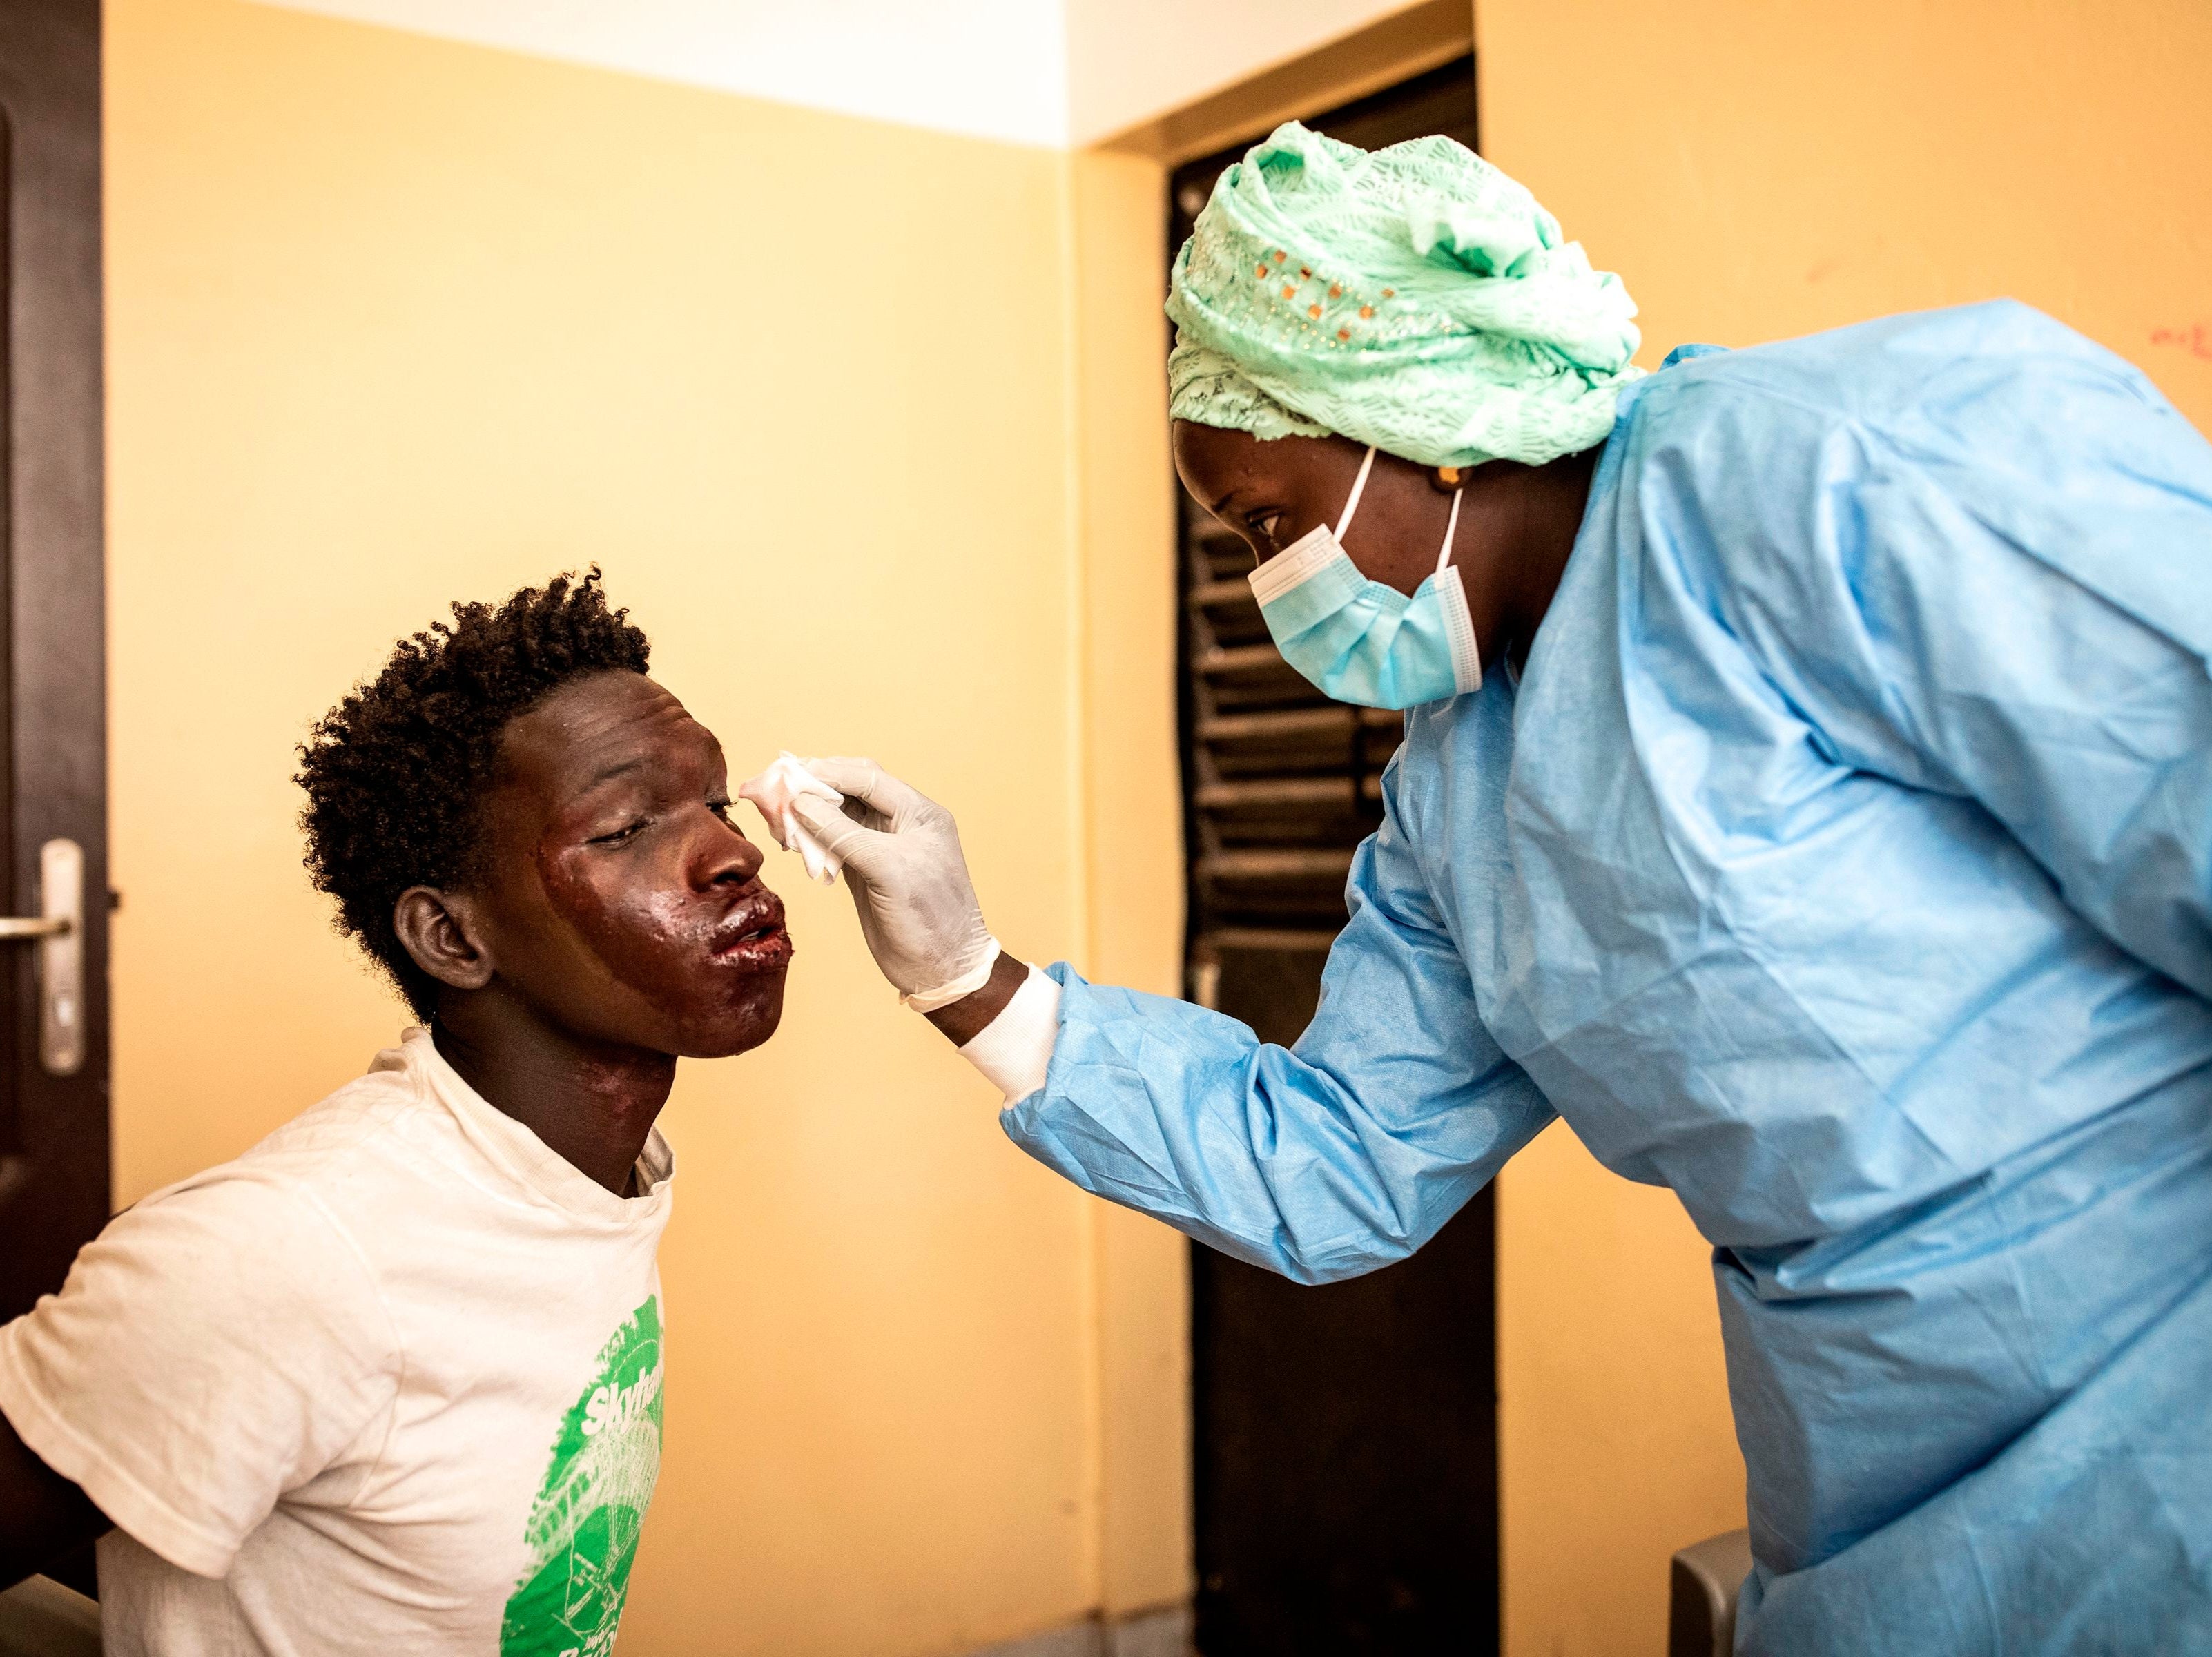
2009, 599
1322, 1161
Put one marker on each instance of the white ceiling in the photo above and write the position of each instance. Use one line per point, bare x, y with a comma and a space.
993, 68
1050, 72
1132, 61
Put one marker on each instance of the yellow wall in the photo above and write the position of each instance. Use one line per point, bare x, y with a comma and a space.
1756, 170
394, 321
1124, 495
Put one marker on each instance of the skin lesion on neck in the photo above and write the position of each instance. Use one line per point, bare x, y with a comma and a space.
594, 1106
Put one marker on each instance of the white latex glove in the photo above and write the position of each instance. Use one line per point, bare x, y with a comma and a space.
901, 852
772, 794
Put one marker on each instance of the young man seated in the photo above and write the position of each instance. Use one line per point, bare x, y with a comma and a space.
390, 1382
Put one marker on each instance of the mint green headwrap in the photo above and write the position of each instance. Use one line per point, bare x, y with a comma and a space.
1414, 298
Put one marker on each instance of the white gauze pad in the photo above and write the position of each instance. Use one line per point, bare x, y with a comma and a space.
772, 793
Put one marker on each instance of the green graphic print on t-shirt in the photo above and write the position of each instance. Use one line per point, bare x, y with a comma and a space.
583, 1527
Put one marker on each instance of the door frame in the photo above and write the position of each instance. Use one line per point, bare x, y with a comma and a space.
54, 1186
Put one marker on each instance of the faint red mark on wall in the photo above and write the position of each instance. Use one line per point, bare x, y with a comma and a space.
2196, 339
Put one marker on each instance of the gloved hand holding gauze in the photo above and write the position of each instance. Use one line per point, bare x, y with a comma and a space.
775, 792
901, 857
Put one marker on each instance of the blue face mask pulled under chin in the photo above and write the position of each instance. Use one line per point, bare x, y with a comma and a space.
1360, 640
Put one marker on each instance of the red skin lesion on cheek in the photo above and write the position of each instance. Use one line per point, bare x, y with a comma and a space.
640, 943
647, 940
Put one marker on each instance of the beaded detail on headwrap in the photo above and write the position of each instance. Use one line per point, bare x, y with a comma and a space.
1414, 298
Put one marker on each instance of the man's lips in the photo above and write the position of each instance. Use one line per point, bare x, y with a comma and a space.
754, 935
760, 952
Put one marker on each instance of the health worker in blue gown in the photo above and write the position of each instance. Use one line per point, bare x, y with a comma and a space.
1806, 793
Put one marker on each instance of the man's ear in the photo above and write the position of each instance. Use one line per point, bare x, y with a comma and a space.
439, 930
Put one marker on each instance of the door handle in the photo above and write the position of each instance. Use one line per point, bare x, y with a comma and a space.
59, 931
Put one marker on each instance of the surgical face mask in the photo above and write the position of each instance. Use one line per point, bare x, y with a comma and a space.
1360, 640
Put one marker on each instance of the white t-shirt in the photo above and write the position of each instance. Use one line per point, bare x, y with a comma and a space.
388, 1383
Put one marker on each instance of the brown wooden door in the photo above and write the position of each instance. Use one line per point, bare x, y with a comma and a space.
53, 787
1344, 1438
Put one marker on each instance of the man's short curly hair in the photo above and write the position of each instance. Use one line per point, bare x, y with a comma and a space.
397, 773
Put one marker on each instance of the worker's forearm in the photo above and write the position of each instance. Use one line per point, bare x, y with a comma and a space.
968, 1018
1008, 1028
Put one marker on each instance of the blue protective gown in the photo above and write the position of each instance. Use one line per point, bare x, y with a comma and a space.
1840, 861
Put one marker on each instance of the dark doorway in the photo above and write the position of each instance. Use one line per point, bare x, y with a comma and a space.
1346, 1437
53, 782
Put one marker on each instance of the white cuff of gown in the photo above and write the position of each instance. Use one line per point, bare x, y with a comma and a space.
1014, 1050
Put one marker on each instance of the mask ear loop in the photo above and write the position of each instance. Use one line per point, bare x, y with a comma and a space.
1451, 533
1458, 626
1359, 488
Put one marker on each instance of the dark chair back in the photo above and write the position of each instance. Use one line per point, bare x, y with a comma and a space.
1708, 1580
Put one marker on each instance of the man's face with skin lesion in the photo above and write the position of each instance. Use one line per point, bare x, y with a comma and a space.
617, 897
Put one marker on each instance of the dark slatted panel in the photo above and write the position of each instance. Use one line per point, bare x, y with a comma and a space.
1283, 782
1344, 1453
1280, 783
